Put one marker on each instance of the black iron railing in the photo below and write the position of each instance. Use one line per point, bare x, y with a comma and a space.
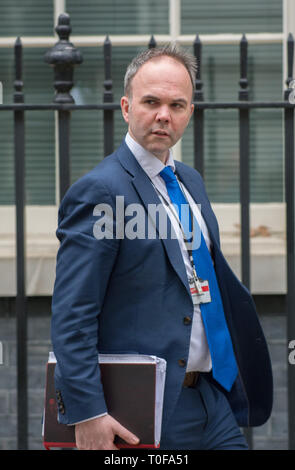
63, 57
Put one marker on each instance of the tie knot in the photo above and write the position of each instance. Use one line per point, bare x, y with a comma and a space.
168, 175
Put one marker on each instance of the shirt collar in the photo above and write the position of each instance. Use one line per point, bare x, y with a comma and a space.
149, 162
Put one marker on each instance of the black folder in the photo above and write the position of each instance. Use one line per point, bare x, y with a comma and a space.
133, 387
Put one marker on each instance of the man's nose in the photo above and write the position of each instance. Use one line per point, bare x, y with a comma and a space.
163, 114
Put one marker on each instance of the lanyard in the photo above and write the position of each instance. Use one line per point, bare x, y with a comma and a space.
189, 251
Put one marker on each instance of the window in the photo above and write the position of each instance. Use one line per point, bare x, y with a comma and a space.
220, 75
28, 18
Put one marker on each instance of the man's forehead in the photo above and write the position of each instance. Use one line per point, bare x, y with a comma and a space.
160, 71
163, 63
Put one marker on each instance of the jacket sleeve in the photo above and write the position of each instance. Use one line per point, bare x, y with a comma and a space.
84, 265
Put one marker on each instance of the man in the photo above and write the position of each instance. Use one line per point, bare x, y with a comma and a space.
155, 295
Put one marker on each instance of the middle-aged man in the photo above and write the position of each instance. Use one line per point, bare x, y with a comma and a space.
156, 295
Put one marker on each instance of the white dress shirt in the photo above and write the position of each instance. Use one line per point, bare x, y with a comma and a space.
199, 355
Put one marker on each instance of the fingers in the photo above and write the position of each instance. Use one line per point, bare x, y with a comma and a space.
126, 435
99, 434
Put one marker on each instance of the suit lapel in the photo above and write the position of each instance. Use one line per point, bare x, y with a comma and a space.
148, 195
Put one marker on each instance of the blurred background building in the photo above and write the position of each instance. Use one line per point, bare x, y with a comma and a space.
130, 24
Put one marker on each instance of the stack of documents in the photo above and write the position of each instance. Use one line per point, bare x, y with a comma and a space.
133, 386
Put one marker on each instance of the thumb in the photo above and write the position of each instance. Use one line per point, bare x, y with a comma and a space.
128, 436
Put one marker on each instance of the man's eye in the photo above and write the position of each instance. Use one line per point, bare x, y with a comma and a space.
150, 101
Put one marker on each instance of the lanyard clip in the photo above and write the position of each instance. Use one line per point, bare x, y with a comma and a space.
197, 282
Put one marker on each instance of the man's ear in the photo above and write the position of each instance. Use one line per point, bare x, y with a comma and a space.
125, 108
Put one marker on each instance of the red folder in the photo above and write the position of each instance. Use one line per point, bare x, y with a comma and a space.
133, 388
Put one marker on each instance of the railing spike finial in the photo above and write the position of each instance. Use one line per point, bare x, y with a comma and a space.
290, 58
243, 93
63, 28
108, 121
18, 83
107, 52
152, 44
63, 57
197, 46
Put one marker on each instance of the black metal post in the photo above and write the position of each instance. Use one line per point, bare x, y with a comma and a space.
245, 182
108, 114
152, 42
63, 57
198, 113
64, 152
244, 165
290, 232
21, 301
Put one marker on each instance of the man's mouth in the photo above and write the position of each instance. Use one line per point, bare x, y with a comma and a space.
160, 133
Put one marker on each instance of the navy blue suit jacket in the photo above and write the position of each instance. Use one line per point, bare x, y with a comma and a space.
131, 295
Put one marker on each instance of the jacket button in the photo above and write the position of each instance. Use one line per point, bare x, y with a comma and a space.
181, 362
187, 320
61, 409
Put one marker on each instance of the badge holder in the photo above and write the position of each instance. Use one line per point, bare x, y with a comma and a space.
200, 290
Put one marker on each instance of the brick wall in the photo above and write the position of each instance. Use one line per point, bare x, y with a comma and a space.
38, 347
272, 435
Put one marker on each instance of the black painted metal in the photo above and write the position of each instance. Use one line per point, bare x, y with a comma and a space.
108, 114
245, 183
152, 43
290, 230
21, 301
63, 57
244, 166
64, 152
116, 106
198, 111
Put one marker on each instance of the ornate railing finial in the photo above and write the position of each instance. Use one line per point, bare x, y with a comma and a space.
63, 57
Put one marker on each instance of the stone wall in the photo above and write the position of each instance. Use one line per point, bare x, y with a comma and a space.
272, 435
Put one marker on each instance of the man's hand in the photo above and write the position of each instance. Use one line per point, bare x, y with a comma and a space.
99, 434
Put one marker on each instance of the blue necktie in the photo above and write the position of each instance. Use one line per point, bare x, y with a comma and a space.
224, 367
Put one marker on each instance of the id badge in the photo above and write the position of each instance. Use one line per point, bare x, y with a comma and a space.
200, 291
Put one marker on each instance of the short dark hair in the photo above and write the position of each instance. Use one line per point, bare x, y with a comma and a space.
170, 50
